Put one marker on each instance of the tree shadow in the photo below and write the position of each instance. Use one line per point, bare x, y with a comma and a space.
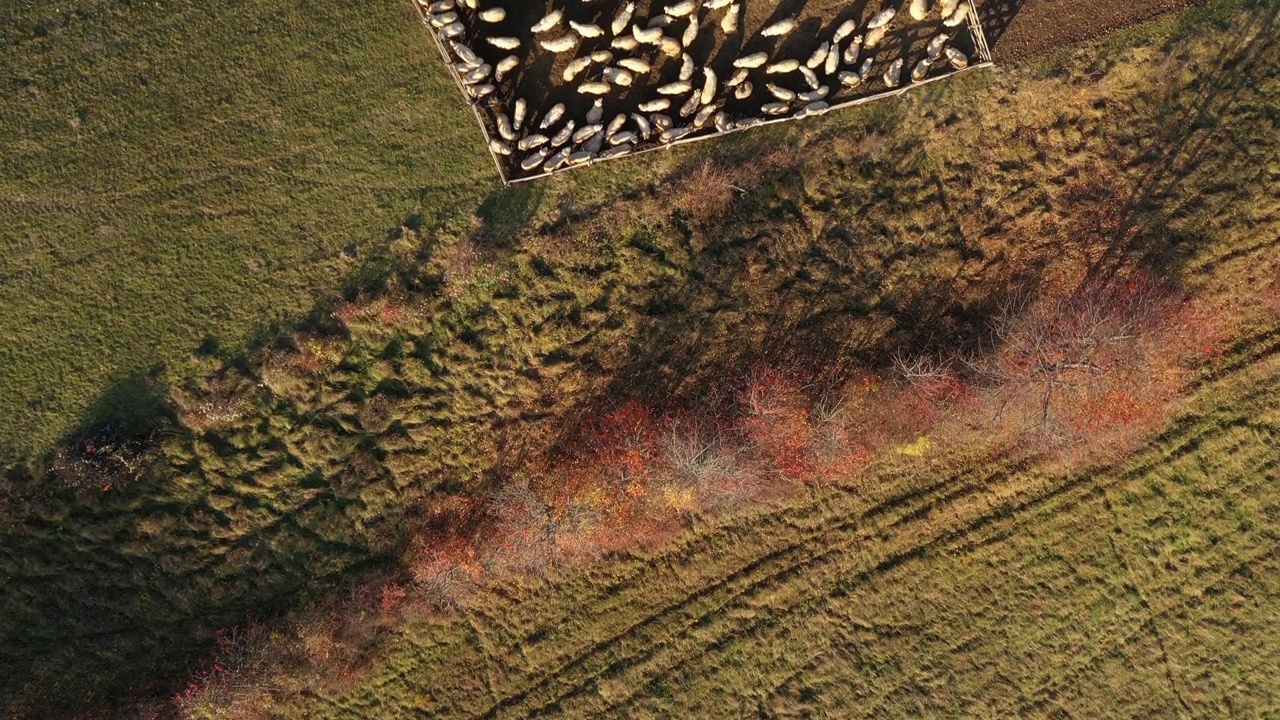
1191, 122
506, 210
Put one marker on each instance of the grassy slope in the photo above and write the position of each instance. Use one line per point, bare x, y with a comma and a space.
879, 235
176, 171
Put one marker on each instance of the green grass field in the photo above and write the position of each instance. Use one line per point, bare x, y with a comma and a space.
493, 318
178, 172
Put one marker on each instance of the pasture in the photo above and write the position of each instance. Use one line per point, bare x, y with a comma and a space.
470, 326
179, 179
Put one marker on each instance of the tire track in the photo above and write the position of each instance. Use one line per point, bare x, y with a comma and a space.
955, 540
790, 557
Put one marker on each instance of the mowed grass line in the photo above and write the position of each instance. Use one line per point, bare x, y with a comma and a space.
175, 171
899, 611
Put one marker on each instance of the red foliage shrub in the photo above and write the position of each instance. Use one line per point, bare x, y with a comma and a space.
775, 421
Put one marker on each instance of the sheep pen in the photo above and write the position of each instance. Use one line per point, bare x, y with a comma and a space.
567, 83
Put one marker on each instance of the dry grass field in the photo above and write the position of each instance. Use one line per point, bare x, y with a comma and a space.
951, 575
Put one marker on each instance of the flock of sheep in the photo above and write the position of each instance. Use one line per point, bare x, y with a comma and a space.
605, 54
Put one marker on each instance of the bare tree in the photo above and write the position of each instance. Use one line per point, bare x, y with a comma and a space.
1047, 352
533, 532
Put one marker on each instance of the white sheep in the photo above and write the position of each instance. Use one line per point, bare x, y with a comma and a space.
865, 70
775, 108
729, 23
594, 88
782, 66
882, 19
708, 85
780, 93
670, 136
498, 148
616, 151
655, 105
507, 132
681, 9
643, 124
624, 42
703, 116
493, 15
814, 108
850, 55
874, 36
935, 46
690, 33
957, 17
575, 67
780, 28
675, 88
810, 78
534, 160
503, 43
555, 161
814, 95
819, 56
506, 65
518, 113
919, 9
635, 65
529, 142
957, 59
477, 75
548, 22
618, 76
845, 30
686, 67
586, 30
467, 54
561, 44
555, 113
690, 105
586, 131
921, 70
743, 91
754, 60
622, 18
736, 79
893, 75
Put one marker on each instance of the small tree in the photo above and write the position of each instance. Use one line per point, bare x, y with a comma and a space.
1063, 368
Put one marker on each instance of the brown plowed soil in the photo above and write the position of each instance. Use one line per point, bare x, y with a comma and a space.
1024, 28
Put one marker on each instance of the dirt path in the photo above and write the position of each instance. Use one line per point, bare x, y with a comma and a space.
1022, 28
